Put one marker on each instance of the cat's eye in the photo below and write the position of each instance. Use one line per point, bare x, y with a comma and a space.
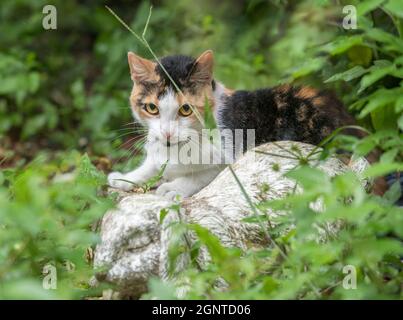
185, 110
151, 108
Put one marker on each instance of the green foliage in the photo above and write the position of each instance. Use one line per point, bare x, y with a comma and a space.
68, 89
364, 67
300, 266
45, 218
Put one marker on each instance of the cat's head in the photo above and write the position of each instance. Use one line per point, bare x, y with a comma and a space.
169, 114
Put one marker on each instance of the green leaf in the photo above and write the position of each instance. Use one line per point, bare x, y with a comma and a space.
209, 119
342, 44
25, 289
390, 41
399, 104
394, 193
161, 289
308, 67
34, 125
400, 122
163, 214
348, 75
217, 251
379, 99
381, 169
374, 75
154, 180
309, 177
389, 156
78, 92
364, 146
87, 173
384, 118
368, 5
395, 7
360, 55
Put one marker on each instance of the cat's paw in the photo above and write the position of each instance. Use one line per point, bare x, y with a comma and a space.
170, 191
115, 181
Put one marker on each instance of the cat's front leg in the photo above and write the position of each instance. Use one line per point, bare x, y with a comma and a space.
186, 186
136, 177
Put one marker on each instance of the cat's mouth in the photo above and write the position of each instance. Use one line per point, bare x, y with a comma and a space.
179, 143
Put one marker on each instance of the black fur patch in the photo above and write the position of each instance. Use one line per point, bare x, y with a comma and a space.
178, 67
278, 114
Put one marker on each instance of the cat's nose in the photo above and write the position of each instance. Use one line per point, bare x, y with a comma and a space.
167, 136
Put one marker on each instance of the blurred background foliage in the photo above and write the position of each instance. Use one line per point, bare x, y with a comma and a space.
64, 94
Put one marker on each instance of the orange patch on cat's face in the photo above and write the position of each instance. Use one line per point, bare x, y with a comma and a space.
136, 97
197, 101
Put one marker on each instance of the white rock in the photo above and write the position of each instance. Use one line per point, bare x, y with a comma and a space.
134, 245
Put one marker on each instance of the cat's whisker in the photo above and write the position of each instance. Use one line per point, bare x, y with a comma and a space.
134, 129
137, 136
133, 149
137, 139
127, 154
121, 136
130, 123
123, 129
140, 139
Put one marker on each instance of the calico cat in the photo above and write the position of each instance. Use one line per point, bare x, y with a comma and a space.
170, 114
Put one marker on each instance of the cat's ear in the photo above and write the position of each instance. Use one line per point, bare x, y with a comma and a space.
141, 70
202, 69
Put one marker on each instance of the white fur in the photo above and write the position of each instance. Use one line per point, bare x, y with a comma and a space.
218, 94
185, 176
